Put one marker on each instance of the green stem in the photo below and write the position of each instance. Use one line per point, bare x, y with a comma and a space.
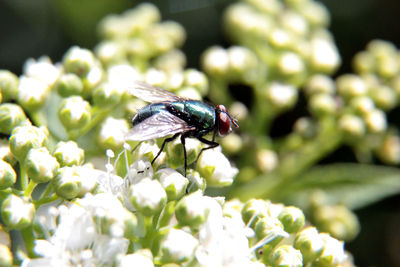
29, 241
24, 177
31, 186
42, 201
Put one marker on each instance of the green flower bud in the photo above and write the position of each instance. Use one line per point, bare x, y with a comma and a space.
384, 97
69, 84
292, 218
191, 210
270, 226
178, 246
11, 116
196, 79
7, 175
364, 62
389, 150
74, 112
316, 14
375, 120
320, 84
232, 144
352, 126
67, 182
362, 104
286, 256
175, 32
172, 61
16, 212
5, 152
32, 93
69, 154
6, 257
42, 69
243, 64
337, 220
112, 133
215, 61
79, 61
196, 182
350, 85
41, 166
173, 182
266, 160
290, 64
175, 155
106, 94
110, 52
135, 259
323, 105
254, 208
281, 96
310, 243
23, 138
333, 253
324, 55
8, 85
305, 127
148, 196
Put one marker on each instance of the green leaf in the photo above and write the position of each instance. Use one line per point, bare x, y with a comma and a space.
354, 185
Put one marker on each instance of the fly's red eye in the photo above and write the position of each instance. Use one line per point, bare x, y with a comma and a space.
221, 108
224, 124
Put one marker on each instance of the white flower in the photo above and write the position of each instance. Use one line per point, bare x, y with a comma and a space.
135, 259
324, 54
148, 196
216, 168
32, 92
113, 132
42, 70
333, 252
122, 75
178, 246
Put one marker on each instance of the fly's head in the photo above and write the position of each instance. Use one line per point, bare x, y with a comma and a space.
224, 120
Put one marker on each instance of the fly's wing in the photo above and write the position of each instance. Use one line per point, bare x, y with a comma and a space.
150, 93
159, 125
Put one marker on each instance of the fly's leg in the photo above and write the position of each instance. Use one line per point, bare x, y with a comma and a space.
211, 144
163, 144
184, 151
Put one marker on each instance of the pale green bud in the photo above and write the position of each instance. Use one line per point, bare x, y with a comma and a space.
362, 104
41, 166
269, 7
42, 69
281, 38
305, 127
7, 175
286, 256
175, 81
191, 210
32, 93
107, 94
319, 83
351, 85
173, 182
175, 32
243, 63
69, 84
316, 14
254, 208
16, 212
290, 64
135, 259
310, 243
337, 220
384, 97
232, 143
11, 116
189, 92
110, 52
215, 61
196, 79
333, 253
294, 22
196, 182
352, 126
178, 246
148, 196
171, 61
240, 110
8, 85
68, 153
292, 218
324, 55
375, 120
281, 96
79, 61
5, 152
23, 138
6, 257
175, 155
112, 133
323, 105
389, 150
395, 84
266, 160
270, 226
364, 62
67, 182
74, 112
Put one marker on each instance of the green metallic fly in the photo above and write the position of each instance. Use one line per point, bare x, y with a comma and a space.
169, 114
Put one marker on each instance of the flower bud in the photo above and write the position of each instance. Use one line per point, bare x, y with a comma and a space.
272, 227
196, 79
74, 112
323, 105
333, 253
384, 97
110, 52
281, 96
320, 84
216, 168
292, 218
352, 126
243, 63
324, 55
254, 208
310, 243
67, 182
290, 64
172, 61
79, 61
112, 133
375, 120
16, 212
5, 152
232, 144
148, 196
389, 150
173, 182
362, 104
215, 61
23, 138
286, 256
196, 182
139, 170
267, 160
191, 210
135, 259
41, 166
6, 257
107, 94
11, 116
32, 93
364, 62
42, 69
175, 32
350, 85
8, 85
68, 153
69, 84
175, 155
316, 14
178, 246
7, 175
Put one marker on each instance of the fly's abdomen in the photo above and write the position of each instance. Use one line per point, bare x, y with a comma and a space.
195, 113
147, 112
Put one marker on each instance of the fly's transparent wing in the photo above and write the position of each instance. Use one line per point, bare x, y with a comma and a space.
151, 93
158, 125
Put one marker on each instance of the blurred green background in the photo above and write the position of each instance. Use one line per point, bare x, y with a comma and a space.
32, 28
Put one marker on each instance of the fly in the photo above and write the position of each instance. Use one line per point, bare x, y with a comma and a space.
169, 114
